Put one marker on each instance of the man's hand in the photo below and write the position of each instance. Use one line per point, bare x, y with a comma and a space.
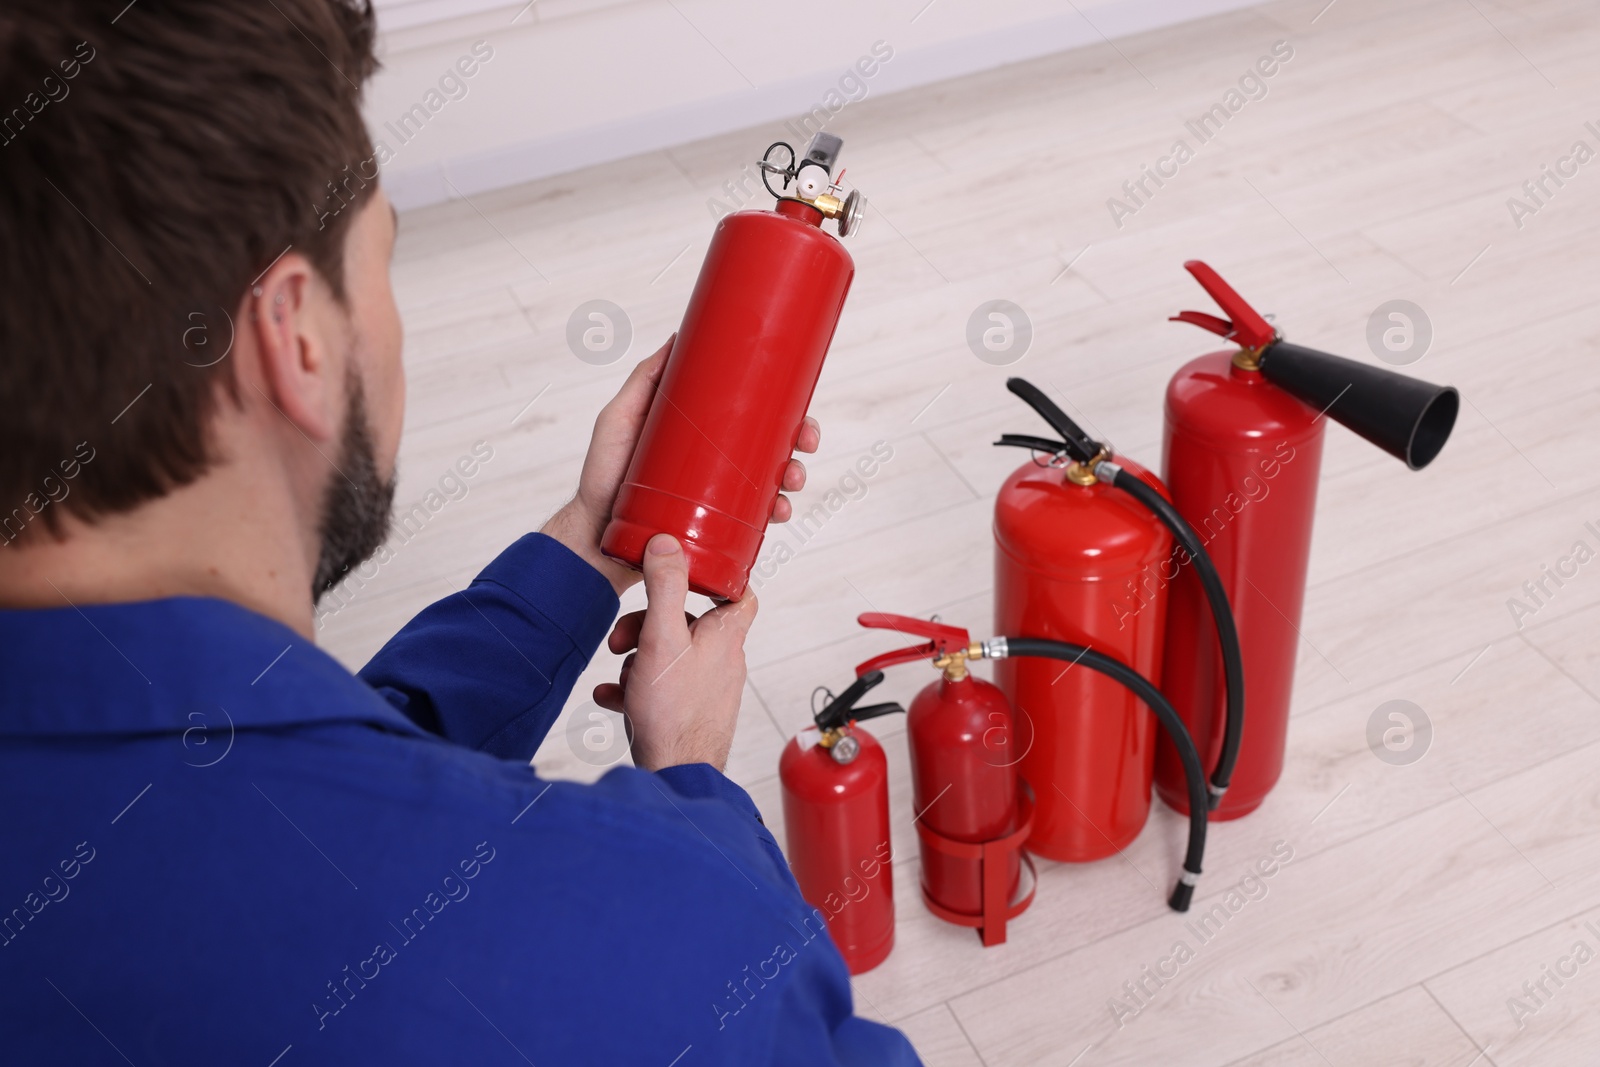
680, 688
580, 523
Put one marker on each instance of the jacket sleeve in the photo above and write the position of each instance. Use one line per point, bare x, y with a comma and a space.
782, 994
491, 666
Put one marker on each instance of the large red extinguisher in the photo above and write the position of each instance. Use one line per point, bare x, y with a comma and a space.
1242, 454
733, 396
971, 814
1080, 538
835, 781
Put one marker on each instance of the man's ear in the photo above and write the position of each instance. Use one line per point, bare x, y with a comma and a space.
300, 372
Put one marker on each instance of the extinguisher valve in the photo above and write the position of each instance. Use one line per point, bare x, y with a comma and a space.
816, 178
1081, 453
840, 712
953, 664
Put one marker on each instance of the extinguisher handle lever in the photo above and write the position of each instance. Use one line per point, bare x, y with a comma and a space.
942, 639
842, 708
1244, 325
1220, 327
1079, 445
873, 711
944, 636
901, 655
1028, 440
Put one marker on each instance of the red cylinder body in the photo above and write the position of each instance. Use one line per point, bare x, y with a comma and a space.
733, 396
1079, 563
964, 783
836, 821
1242, 458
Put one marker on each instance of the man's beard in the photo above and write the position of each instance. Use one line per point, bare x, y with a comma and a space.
355, 513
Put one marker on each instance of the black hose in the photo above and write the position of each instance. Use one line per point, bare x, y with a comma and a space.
1183, 893
1227, 631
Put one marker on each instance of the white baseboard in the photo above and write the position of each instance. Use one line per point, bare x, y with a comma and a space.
539, 157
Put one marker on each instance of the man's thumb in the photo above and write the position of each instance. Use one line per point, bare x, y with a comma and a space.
666, 588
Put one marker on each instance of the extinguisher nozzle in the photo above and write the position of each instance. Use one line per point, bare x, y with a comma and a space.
1408, 418
1182, 895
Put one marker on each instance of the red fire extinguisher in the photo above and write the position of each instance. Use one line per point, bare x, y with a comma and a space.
962, 754
835, 781
1080, 540
733, 396
971, 814
1242, 454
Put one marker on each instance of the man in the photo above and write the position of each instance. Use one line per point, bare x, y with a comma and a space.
218, 845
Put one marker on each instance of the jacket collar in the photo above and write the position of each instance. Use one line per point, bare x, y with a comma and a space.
168, 665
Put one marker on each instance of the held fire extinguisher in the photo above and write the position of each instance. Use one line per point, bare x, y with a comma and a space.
732, 399
1241, 456
971, 817
835, 781
1079, 539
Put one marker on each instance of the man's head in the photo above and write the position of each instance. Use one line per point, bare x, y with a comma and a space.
194, 272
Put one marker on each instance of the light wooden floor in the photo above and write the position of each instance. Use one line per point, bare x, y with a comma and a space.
1420, 898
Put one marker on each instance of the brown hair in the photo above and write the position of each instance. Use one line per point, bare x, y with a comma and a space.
153, 164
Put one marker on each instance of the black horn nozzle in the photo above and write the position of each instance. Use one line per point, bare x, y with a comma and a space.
1406, 417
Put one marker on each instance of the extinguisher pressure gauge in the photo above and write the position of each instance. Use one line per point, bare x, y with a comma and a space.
845, 749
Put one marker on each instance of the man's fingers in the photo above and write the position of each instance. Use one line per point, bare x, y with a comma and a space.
810, 436
612, 695
794, 476
782, 510
729, 622
625, 634
666, 587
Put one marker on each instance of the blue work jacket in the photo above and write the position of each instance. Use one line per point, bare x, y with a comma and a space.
219, 846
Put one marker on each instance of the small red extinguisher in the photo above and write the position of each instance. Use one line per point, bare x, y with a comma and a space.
1242, 454
972, 816
835, 781
733, 396
973, 812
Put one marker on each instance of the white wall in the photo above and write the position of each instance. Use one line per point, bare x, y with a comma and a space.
571, 83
